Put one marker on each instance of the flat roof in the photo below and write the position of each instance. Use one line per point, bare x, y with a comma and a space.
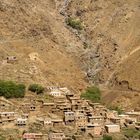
112, 125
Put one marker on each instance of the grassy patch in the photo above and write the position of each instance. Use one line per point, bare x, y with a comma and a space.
92, 93
107, 137
131, 133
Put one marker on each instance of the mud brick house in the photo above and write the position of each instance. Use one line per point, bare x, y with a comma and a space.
28, 107
57, 93
80, 120
115, 120
112, 128
98, 108
7, 116
48, 122
130, 122
57, 136
137, 125
25, 115
58, 122
65, 90
50, 88
11, 59
94, 129
111, 114
69, 117
21, 121
64, 107
76, 103
134, 115
123, 119
96, 120
48, 106
34, 136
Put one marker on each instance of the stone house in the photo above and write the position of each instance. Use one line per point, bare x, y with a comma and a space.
112, 128
48, 106
130, 122
94, 129
11, 59
34, 136
69, 117
137, 125
64, 107
28, 107
133, 115
123, 119
115, 120
96, 120
56, 136
21, 121
7, 116
111, 114
58, 122
57, 93
25, 115
80, 120
48, 122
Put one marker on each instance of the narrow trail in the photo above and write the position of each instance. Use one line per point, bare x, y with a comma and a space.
121, 61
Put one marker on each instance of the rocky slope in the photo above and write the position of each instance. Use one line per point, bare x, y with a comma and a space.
106, 52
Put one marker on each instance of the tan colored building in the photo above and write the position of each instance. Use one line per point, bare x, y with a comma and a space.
57, 122
11, 59
96, 120
28, 107
134, 115
34, 136
56, 136
21, 122
7, 116
112, 128
48, 122
80, 120
69, 117
115, 120
94, 129
48, 106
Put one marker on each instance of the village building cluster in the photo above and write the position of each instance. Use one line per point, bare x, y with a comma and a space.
66, 110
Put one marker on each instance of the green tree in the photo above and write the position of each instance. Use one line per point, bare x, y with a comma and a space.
36, 88
92, 93
10, 89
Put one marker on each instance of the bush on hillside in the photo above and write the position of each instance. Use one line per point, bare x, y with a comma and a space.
92, 93
106, 137
10, 89
131, 133
74, 23
36, 88
116, 108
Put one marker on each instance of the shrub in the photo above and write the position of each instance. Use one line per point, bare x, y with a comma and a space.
74, 23
116, 108
131, 133
92, 93
10, 89
106, 137
36, 88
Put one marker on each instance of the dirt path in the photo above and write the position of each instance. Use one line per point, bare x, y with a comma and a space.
121, 61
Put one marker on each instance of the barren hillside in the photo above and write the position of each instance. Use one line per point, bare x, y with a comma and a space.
106, 52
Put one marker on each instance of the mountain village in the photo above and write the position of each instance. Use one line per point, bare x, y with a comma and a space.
63, 116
